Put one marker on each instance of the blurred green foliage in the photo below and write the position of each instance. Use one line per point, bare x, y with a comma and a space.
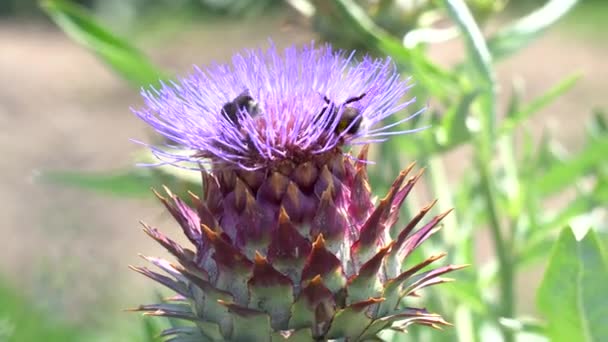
504, 187
20, 321
212, 7
24, 321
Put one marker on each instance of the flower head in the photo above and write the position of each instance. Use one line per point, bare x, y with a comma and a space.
288, 242
267, 107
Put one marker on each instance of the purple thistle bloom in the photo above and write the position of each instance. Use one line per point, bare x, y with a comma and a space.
291, 98
289, 243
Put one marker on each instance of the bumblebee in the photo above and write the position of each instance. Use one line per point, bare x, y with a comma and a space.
350, 120
242, 103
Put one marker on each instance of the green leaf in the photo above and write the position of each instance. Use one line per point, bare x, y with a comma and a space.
453, 130
601, 189
20, 321
525, 324
515, 117
135, 182
466, 291
547, 154
573, 291
123, 58
482, 61
535, 246
565, 173
124, 183
515, 101
537, 104
436, 80
599, 124
476, 44
550, 173
151, 330
523, 31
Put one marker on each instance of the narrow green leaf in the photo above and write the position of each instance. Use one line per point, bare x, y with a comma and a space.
466, 292
601, 189
151, 330
512, 121
124, 183
453, 130
135, 182
523, 31
573, 291
482, 61
539, 103
599, 124
557, 172
547, 154
478, 50
536, 245
123, 58
515, 102
571, 170
513, 188
524, 325
437, 80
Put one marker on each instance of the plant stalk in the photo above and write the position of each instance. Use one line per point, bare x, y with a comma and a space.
501, 246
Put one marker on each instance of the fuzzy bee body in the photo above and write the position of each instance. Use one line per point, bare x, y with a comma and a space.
242, 103
349, 121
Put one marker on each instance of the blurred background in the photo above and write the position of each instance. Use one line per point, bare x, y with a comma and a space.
65, 250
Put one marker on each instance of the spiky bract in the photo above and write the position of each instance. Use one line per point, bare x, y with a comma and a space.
299, 254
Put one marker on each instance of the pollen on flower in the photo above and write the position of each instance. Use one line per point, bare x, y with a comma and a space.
269, 107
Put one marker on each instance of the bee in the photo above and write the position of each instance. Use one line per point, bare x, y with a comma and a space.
350, 120
242, 103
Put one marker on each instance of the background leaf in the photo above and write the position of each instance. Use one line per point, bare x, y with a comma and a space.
453, 130
135, 182
21, 322
526, 111
573, 291
479, 53
569, 171
123, 183
435, 79
123, 58
477, 48
151, 329
523, 31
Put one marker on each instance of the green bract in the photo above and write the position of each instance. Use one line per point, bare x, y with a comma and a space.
324, 269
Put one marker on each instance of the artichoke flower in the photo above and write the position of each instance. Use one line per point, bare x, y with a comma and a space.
288, 241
